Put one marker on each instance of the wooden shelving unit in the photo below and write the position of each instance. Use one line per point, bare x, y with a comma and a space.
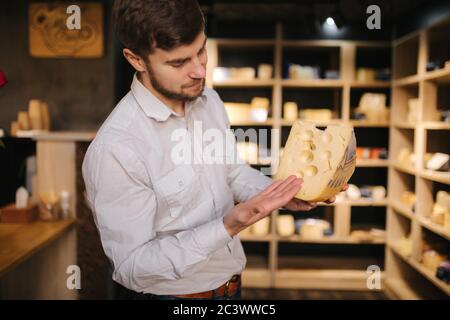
403, 277
406, 276
342, 56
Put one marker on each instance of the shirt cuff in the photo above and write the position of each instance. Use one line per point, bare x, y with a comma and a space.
211, 236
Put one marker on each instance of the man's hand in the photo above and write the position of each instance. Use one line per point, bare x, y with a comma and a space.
277, 195
300, 205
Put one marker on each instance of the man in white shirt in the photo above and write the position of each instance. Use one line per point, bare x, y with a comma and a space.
168, 225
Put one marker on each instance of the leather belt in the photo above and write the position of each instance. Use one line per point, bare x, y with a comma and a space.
228, 289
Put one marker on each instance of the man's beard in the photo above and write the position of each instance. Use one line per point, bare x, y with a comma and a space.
171, 94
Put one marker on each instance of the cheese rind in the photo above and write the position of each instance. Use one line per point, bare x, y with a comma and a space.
325, 159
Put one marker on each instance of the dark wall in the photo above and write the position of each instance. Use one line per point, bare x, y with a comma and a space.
426, 15
80, 92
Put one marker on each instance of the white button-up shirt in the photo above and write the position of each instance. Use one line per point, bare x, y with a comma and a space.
161, 221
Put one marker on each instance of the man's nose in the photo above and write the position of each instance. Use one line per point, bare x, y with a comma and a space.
198, 70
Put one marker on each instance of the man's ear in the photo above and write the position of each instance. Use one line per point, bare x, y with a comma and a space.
136, 61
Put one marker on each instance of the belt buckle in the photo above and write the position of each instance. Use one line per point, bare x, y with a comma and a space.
234, 278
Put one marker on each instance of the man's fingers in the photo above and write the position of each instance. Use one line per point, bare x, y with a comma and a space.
286, 194
331, 200
281, 189
270, 188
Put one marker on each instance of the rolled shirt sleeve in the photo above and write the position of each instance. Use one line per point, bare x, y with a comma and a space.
124, 207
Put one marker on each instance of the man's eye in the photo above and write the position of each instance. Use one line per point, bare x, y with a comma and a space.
178, 65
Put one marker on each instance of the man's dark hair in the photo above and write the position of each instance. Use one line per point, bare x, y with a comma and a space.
143, 25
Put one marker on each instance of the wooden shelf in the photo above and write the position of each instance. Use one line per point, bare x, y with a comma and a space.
367, 124
288, 123
401, 209
245, 42
371, 84
319, 83
401, 289
354, 123
404, 125
407, 81
256, 278
251, 123
243, 83
405, 169
441, 177
413, 85
372, 163
368, 203
335, 43
328, 240
436, 125
358, 203
441, 76
254, 238
322, 279
428, 274
411, 55
437, 229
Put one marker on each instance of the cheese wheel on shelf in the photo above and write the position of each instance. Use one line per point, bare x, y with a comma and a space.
35, 114
285, 225
238, 111
290, 111
261, 228
432, 259
45, 116
319, 115
265, 71
23, 120
324, 159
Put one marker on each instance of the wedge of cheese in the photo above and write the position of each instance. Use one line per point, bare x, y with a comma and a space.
325, 159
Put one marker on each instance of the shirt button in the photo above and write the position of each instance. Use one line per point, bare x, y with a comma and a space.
180, 183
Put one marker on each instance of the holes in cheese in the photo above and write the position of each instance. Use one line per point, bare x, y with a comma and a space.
325, 159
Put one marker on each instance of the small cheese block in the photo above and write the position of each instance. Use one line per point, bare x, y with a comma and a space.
285, 225
365, 74
318, 115
432, 259
353, 192
447, 221
290, 111
244, 73
261, 227
246, 232
313, 229
23, 120
408, 198
378, 193
35, 114
439, 162
260, 103
14, 128
325, 159
404, 245
265, 71
45, 116
238, 111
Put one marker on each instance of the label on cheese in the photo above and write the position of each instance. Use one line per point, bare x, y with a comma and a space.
325, 159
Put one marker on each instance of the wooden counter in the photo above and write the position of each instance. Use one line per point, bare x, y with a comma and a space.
20, 241
34, 259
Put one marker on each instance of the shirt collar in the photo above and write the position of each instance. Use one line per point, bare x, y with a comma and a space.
152, 106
